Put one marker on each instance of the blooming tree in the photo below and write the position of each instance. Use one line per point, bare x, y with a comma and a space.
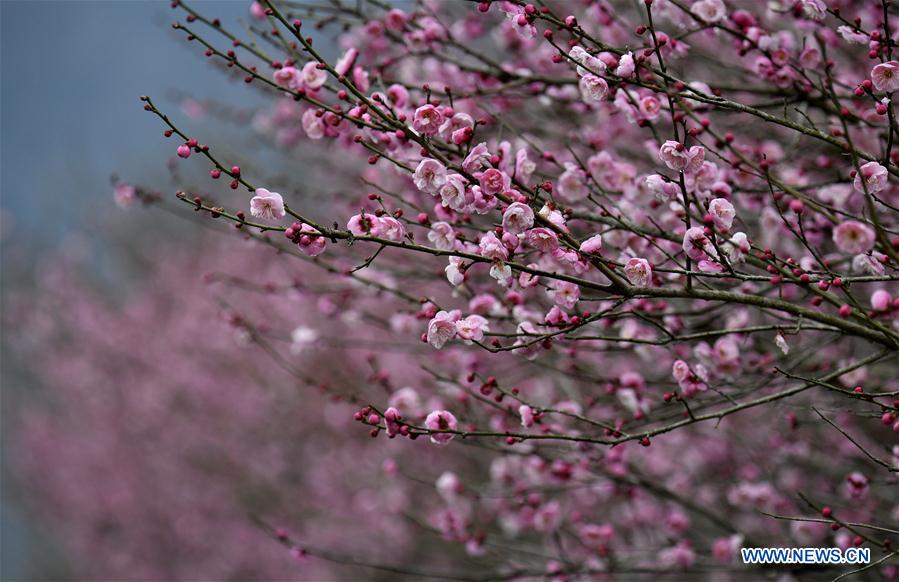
625, 272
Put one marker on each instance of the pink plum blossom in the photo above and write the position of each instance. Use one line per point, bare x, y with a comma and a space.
874, 176
638, 271
885, 76
723, 213
518, 218
442, 328
677, 157
697, 245
592, 245
312, 245
472, 328
853, 237
430, 175
442, 236
427, 120
441, 420
266, 204
312, 76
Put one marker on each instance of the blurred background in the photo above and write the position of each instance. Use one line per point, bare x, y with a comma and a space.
71, 74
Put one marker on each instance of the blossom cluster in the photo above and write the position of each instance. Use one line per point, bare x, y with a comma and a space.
640, 260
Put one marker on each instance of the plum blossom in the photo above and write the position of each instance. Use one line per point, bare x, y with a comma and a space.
289, 77
343, 65
476, 159
441, 420
548, 517
592, 245
709, 10
572, 184
662, 189
587, 64
527, 415
849, 35
650, 107
697, 245
680, 370
442, 236
427, 120
633, 401
814, 9
564, 294
454, 194
391, 421
885, 76
638, 271
391, 228
593, 88
257, 11
457, 128
449, 486
492, 248
501, 272
455, 272
313, 124
853, 237
723, 213
626, 65
395, 19
494, 182
310, 244
265, 204
542, 239
737, 247
871, 263
312, 76
677, 157
880, 300
518, 218
364, 224
524, 166
429, 176
472, 328
442, 328
875, 177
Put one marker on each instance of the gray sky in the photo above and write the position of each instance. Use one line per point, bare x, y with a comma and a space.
72, 72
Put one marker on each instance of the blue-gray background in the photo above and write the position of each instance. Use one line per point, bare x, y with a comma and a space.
70, 76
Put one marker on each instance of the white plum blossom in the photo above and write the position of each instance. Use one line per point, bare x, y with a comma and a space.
454, 271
